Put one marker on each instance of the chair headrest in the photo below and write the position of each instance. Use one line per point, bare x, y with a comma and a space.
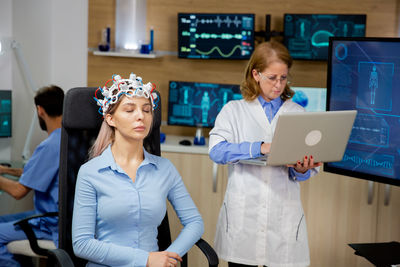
81, 110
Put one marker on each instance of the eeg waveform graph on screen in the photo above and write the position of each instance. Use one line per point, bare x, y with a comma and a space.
222, 36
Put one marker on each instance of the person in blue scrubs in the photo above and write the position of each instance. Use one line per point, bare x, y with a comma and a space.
40, 174
121, 193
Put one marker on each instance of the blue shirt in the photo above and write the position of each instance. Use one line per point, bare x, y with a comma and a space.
270, 108
41, 174
224, 152
115, 220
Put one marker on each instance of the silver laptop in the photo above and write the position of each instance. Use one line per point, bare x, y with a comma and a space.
324, 135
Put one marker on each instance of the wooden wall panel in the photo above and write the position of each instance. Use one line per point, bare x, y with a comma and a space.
382, 20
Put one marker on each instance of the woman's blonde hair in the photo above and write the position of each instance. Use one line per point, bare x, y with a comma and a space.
106, 134
262, 57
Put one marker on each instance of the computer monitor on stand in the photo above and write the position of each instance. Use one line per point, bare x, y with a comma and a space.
197, 104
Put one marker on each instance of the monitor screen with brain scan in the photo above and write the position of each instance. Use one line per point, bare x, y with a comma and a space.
307, 35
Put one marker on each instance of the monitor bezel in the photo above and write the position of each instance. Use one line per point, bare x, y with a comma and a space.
341, 171
214, 58
316, 14
11, 113
168, 104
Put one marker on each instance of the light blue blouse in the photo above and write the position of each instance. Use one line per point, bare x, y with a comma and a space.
115, 220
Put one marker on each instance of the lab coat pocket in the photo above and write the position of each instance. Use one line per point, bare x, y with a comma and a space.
293, 224
233, 213
225, 217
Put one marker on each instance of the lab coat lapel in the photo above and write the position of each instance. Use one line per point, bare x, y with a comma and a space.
283, 109
258, 113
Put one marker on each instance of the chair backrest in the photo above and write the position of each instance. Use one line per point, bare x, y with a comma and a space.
80, 126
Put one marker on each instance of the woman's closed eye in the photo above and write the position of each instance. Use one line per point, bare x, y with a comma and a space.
146, 108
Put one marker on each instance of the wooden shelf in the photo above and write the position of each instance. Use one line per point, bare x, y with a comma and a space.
125, 54
154, 54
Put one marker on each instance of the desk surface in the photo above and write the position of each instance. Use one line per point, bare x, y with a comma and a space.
171, 144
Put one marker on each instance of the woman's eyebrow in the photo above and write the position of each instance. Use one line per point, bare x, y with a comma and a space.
129, 104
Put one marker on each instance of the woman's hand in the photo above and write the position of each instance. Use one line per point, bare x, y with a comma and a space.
163, 259
10, 171
308, 163
265, 148
3, 169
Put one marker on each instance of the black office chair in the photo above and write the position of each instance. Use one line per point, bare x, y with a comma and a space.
81, 123
38, 248
385, 254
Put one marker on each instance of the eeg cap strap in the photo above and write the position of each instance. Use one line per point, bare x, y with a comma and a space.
130, 87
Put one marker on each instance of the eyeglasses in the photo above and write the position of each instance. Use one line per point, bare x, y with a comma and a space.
273, 78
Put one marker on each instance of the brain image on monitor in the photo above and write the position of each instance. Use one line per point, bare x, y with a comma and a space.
312, 99
197, 104
307, 35
363, 74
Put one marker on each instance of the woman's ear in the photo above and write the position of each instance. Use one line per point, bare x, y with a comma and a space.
255, 74
109, 120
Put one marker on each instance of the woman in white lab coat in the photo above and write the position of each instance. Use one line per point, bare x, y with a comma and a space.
261, 221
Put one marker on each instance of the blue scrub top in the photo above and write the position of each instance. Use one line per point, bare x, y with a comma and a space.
41, 174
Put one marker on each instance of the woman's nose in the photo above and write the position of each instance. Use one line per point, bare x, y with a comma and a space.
140, 114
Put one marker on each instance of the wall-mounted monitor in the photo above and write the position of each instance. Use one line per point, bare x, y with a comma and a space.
215, 36
307, 35
311, 98
198, 104
5, 113
363, 74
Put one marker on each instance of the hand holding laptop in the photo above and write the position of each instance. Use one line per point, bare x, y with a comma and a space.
265, 148
307, 164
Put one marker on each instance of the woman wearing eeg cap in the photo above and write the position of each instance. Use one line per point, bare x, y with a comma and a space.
121, 192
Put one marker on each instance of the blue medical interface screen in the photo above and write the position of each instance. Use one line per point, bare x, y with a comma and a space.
307, 35
364, 74
222, 36
5, 113
197, 104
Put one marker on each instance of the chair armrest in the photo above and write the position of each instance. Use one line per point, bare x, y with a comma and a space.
60, 257
30, 234
47, 214
209, 252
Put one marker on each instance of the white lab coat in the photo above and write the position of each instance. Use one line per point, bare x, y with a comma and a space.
261, 221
